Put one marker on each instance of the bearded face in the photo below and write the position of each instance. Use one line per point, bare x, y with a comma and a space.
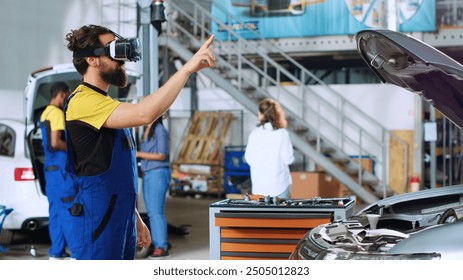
117, 77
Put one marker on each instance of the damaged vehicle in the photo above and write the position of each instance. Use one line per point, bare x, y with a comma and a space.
419, 225
424, 225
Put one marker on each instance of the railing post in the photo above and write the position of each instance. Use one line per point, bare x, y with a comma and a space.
266, 82
318, 126
240, 72
341, 109
203, 30
384, 165
302, 93
195, 16
360, 179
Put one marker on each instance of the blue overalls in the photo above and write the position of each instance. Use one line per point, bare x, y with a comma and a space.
60, 191
104, 221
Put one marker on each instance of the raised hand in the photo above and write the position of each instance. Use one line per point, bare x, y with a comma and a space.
203, 58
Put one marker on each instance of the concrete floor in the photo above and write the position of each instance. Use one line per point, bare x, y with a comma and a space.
179, 211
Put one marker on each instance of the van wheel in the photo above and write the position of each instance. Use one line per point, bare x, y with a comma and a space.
141, 252
6, 237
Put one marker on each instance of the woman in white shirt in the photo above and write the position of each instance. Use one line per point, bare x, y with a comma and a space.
269, 152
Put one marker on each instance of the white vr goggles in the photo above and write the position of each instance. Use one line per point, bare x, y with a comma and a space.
121, 49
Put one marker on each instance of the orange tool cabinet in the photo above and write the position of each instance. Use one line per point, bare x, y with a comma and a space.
241, 229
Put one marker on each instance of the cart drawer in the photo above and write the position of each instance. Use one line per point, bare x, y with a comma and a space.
264, 235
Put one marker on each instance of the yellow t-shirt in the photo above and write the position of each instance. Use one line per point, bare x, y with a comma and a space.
87, 111
54, 116
90, 106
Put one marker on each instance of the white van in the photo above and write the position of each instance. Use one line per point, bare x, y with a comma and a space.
22, 184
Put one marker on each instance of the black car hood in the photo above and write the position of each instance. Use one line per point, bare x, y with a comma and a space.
404, 61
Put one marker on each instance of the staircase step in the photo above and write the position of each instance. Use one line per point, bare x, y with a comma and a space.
254, 97
230, 75
327, 151
372, 182
379, 193
300, 130
244, 86
354, 171
340, 160
373, 185
312, 139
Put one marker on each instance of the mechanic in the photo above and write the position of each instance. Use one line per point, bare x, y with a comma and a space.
101, 147
59, 186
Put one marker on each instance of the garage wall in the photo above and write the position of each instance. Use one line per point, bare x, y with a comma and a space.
11, 104
33, 32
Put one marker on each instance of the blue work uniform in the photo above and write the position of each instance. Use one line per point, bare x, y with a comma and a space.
104, 219
59, 189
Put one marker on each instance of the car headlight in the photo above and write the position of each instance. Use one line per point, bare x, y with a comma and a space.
334, 254
305, 250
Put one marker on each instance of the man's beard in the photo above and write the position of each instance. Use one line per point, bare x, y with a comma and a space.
117, 77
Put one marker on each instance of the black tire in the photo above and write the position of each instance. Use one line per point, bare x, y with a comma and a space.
33, 252
449, 216
6, 237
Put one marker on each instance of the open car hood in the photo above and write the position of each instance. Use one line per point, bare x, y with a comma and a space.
404, 61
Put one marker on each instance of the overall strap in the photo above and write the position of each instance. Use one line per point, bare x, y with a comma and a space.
69, 148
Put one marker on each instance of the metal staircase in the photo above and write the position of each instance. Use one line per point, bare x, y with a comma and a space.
323, 125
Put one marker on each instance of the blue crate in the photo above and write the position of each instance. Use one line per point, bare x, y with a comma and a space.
234, 159
229, 182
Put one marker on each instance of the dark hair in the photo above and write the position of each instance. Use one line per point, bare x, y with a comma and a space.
153, 127
84, 38
270, 113
57, 88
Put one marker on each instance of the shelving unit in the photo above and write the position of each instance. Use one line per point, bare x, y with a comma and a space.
198, 169
193, 180
444, 157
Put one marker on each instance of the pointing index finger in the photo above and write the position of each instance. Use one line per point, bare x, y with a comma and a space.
208, 42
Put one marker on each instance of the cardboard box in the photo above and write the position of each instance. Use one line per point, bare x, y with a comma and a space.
313, 184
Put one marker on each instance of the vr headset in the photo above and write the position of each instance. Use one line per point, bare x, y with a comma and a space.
121, 49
